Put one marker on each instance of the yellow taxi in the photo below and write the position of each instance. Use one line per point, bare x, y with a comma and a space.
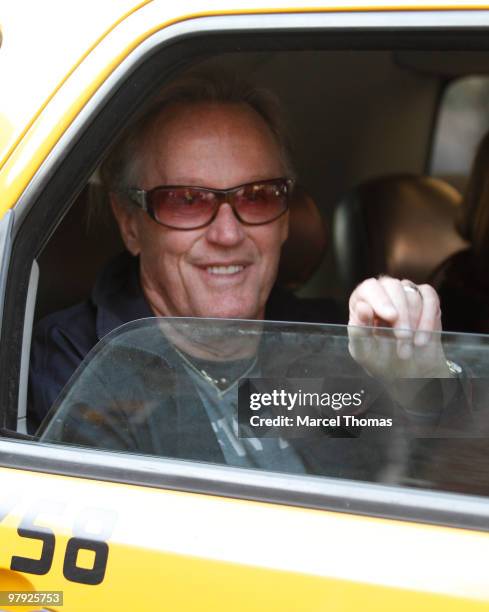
387, 101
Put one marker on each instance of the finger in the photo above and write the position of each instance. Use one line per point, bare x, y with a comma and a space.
403, 325
414, 299
361, 314
359, 332
375, 352
361, 344
372, 293
394, 289
430, 318
360, 347
359, 336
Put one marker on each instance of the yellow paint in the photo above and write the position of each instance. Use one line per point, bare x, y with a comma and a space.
13, 581
147, 580
85, 559
25, 43
142, 577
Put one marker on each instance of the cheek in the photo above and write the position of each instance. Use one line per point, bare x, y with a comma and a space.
163, 249
269, 240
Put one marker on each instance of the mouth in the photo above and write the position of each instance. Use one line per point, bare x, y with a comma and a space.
227, 274
225, 270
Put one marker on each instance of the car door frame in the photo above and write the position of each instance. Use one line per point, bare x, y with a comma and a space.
62, 176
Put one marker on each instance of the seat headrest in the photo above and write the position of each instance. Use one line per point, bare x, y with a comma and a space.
400, 225
304, 249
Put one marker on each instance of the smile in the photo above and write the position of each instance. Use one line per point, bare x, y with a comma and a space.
224, 270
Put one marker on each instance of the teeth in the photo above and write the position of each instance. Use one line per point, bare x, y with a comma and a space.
224, 269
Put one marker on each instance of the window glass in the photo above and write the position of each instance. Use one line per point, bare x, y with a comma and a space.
463, 120
286, 397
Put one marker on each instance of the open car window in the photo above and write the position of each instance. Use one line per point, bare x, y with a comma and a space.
286, 397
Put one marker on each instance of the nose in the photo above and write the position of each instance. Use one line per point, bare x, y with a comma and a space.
225, 229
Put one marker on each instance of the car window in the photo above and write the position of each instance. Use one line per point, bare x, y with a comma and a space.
284, 397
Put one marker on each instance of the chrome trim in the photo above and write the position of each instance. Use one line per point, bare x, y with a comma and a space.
346, 496
6, 237
30, 309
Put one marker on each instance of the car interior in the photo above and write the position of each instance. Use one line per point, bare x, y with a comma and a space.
364, 127
381, 157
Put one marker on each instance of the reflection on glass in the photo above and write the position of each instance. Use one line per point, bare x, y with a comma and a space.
356, 403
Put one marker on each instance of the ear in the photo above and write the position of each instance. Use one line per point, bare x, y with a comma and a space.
128, 224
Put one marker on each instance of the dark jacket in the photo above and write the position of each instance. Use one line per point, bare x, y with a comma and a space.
62, 339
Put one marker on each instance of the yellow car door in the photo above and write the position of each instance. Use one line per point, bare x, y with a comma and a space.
93, 529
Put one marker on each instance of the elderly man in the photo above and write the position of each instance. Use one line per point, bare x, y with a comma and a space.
199, 187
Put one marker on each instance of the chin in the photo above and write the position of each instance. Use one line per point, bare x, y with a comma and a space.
230, 311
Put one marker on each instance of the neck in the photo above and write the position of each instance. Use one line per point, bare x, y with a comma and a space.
214, 340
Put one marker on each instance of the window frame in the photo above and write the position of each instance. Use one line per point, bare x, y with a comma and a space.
304, 491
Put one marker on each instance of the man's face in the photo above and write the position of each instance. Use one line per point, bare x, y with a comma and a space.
226, 269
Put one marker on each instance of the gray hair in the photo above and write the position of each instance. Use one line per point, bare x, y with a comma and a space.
121, 168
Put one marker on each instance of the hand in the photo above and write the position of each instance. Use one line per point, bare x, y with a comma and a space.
412, 311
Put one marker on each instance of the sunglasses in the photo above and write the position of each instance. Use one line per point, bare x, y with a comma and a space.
188, 208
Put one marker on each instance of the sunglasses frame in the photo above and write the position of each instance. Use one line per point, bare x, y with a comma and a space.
140, 198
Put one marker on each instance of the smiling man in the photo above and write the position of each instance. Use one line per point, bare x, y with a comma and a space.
217, 188
200, 187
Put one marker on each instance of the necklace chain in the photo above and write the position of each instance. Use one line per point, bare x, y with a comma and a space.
221, 385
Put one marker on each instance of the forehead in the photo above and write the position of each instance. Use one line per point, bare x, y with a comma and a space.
194, 137
188, 118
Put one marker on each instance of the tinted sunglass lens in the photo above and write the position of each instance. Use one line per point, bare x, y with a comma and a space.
183, 208
261, 202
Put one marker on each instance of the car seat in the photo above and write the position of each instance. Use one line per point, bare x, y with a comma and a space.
400, 225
